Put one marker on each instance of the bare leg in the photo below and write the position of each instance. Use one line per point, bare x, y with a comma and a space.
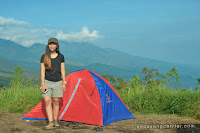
48, 107
55, 108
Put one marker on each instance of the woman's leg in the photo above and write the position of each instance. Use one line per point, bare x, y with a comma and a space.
48, 107
55, 108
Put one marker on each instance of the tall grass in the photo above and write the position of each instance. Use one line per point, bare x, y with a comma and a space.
146, 100
162, 100
19, 99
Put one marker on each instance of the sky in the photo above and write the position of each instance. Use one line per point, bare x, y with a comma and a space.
162, 30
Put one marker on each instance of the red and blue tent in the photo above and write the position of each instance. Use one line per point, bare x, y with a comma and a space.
89, 98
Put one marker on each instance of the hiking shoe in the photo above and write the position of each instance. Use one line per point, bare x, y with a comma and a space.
56, 124
50, 126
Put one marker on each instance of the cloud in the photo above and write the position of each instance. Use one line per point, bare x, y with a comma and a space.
11, 22
27, 37
43, 31
30, 42
82, 36
18, 32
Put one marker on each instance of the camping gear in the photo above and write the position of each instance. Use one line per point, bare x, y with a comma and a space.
89, 98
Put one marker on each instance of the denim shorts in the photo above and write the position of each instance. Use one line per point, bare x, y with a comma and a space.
54, 88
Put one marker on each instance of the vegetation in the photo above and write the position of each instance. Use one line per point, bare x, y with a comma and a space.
20, 99
154, 93
159, 99
158, 94
198, 81
21, 95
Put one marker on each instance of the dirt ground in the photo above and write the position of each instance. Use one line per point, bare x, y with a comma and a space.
11, 123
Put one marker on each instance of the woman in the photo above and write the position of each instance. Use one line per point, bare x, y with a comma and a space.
53, 80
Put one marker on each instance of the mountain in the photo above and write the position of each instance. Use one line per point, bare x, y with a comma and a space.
15, 52
100, 60
7, 70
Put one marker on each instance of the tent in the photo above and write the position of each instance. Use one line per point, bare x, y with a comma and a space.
89, 98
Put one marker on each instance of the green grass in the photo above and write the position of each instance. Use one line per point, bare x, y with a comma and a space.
149, 100
19, 99
162, 100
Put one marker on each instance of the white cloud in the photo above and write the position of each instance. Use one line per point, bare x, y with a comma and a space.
4, 22
15, 31
30, 42
25, 36
83, 36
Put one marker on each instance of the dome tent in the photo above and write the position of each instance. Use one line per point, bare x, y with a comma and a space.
89, 98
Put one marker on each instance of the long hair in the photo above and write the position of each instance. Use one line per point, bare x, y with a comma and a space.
47, 57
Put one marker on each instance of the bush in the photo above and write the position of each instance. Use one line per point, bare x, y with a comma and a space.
162, 100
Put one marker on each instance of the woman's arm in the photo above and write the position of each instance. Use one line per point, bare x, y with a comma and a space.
63, 75
42, 76
63, 71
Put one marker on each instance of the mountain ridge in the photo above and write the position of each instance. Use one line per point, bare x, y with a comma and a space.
86, 55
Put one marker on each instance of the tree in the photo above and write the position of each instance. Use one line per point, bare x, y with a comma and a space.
197, 88
121, 83
172, 77
17, 79
135, 81
198, 81
150, 74
110, 78
67, 71
28, 83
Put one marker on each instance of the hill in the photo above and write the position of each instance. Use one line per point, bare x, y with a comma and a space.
90, 56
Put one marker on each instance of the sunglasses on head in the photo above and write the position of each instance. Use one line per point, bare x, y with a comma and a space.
52, 43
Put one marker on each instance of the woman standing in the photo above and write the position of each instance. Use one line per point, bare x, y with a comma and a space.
52, 81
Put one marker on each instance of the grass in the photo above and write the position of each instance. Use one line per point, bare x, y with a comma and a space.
162, 100
149, 100
19, 99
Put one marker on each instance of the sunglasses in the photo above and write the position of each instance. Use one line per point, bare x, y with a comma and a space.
52, 43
